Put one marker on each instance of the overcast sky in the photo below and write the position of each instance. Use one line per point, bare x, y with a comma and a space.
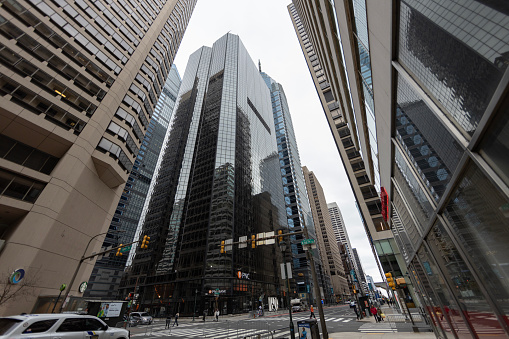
265, 28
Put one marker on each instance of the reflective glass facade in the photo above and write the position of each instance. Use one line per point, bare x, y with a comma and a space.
450, 194
105, 278
219, 180
298, 211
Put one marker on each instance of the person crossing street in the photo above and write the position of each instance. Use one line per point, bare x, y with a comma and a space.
312, 315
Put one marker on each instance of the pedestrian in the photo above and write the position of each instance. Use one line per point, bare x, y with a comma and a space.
304, 334
217, 314
176, 319
312, 315
273, 307
356, 312
374, 312
168, 321
204, 314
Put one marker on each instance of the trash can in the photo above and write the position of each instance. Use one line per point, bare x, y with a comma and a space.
308, 329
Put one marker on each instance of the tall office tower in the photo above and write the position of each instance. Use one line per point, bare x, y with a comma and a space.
298, 212
341, 235
107, 272
335, 42
79, 82
329, 250
219, 180
361, 277
440, 87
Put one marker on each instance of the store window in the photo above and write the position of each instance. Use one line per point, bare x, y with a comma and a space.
471, 300
479, 215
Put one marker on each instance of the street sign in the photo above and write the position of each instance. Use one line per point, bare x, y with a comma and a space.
228, 243
125, 249
307, 241
243, 242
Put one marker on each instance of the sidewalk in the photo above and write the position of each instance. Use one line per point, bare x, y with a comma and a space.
358, 335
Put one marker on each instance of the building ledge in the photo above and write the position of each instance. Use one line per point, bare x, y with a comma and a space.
108, 170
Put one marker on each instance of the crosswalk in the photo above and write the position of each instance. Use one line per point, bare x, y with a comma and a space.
190, 332
378, 328
287, 318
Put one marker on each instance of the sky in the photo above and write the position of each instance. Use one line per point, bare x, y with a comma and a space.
266, 30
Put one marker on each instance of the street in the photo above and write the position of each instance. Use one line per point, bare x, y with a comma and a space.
338, 319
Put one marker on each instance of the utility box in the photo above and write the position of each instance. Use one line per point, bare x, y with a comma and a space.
308, 329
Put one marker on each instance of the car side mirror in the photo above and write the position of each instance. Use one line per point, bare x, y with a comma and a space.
105, 327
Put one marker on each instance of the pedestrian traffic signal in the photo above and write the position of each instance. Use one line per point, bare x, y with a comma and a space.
145, 241
119, 253
253, 241
280, 236
222, 246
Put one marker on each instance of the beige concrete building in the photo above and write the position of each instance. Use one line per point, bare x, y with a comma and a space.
327, 244
79, 81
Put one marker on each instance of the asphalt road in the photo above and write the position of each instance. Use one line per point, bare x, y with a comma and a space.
338, 319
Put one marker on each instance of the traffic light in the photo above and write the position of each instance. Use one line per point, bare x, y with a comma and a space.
118, 250
280, 236
145, 241
253, 241
222, 246
390, 280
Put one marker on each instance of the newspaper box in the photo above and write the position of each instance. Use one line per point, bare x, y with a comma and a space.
308, 329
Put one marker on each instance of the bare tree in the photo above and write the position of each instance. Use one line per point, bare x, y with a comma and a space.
10, 292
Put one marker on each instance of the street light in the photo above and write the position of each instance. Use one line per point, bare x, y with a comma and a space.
282, 246
79, 265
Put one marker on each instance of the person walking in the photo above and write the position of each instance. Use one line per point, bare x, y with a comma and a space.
168, 321
356, 312
204, 314
176, 319
217, 314
374, 312
312, 315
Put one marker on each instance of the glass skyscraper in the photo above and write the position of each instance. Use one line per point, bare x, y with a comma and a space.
298, 212
219, 180
439, 84
107, 272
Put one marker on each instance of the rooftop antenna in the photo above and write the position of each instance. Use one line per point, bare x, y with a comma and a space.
259, 65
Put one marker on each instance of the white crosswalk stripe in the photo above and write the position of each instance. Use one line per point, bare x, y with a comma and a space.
201, 333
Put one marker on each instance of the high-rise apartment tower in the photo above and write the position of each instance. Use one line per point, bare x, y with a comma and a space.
79, 82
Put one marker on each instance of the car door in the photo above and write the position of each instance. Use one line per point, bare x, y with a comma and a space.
70, 328
94, 329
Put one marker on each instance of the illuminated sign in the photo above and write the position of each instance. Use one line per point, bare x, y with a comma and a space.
242, 275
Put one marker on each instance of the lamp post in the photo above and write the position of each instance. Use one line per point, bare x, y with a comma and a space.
195, 294
282, 246
79, 265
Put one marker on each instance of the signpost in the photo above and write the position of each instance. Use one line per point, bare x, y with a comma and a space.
125, 249
307, 242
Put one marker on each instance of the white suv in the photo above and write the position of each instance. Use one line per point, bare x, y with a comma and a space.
58, 326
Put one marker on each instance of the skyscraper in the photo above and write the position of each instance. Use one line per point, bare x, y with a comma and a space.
219, 180
107, 272
339, 59
79, 82
298, 211
329, 250
439, 87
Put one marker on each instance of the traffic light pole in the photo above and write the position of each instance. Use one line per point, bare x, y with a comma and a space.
83, 258
311, 260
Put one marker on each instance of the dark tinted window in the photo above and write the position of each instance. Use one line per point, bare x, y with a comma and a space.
72, 325
7, 324
40, 326
93, 325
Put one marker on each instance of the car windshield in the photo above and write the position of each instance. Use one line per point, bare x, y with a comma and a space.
145, 314
7, 324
